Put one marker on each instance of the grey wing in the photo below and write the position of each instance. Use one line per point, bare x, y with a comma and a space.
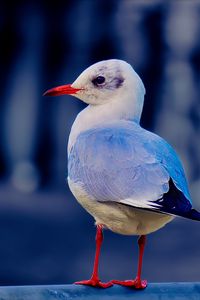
114, 164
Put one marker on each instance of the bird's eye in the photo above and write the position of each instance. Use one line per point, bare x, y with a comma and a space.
98, 80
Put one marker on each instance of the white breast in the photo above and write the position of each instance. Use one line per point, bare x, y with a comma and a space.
117, 217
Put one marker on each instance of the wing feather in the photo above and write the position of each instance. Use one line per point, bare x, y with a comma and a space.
123, 162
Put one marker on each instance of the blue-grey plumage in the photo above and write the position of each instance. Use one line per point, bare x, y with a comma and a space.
124, 163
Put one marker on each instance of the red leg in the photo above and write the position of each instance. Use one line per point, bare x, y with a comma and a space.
137, 283
94, 280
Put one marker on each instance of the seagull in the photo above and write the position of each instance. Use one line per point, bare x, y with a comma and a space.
128, 178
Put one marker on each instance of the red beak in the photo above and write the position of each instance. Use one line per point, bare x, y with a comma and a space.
66, 89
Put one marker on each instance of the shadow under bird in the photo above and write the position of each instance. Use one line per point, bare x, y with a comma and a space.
129, 179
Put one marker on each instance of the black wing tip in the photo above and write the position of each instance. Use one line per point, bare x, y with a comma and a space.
193, 214
175, 203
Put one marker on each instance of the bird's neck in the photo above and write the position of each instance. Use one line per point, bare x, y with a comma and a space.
96, 115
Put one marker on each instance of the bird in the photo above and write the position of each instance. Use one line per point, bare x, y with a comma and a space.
129, 179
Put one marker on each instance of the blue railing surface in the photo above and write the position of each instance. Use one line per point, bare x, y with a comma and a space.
154, 291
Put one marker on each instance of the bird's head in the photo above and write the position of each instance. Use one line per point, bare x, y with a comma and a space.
103, 82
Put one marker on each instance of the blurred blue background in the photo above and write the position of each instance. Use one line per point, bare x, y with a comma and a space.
45, 236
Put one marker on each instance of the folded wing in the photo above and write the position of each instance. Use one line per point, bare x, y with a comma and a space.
124, 163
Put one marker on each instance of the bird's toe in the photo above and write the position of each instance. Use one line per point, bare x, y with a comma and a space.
137, 283
95, 283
